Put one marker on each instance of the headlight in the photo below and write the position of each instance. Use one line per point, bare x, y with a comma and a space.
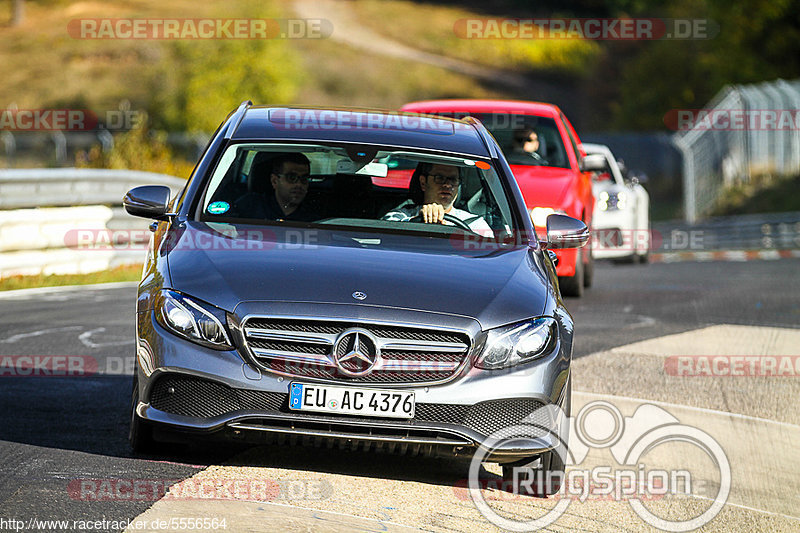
539, 215
621, 199
602, 201
198, 323
519, 343
611, 201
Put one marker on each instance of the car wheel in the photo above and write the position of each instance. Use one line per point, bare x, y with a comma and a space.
588, 273
573, 285
140, 434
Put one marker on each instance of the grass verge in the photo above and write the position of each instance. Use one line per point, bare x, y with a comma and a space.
766, 194
436, 28
121, 273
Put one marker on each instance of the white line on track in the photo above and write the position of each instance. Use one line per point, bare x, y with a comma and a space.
692, 408
37, 333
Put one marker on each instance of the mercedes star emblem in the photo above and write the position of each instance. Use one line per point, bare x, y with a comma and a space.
355, 352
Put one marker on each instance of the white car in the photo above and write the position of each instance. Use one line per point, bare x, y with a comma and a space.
621, 223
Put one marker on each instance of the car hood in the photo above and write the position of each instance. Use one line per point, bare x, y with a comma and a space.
543, 186
494, 288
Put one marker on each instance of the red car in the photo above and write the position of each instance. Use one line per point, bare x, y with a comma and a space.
545, 155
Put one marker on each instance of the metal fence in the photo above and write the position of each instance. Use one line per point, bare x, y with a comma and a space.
745, 131
765, 231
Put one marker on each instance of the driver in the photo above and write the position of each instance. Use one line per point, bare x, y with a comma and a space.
526, 142
440, 186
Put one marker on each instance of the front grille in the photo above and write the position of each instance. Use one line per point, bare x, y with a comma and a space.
198, 397
191, 396
506, 416
311, 348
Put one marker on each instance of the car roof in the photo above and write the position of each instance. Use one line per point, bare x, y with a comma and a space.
363, 126
484, 106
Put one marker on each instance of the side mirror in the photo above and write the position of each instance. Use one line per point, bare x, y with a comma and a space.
566, 232
148, 201
593, 163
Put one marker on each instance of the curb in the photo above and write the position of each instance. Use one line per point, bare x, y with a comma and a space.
32, 291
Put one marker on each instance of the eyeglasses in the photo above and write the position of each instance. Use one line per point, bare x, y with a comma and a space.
439, 179
293, 178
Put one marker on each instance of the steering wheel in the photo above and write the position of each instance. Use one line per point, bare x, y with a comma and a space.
450, 218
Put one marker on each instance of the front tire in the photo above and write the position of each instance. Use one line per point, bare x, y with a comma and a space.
140, 433
588, 274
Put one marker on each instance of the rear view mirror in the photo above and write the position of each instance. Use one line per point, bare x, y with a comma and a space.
148, 201
566, 232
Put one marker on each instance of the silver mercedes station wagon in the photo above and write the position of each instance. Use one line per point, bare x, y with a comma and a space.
356, 278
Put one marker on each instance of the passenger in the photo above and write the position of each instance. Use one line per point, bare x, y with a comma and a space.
289, 179
440, 185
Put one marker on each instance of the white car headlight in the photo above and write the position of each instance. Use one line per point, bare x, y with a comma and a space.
612, 201
193, 321
519, 343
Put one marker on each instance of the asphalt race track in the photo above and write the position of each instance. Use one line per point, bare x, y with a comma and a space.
61, 438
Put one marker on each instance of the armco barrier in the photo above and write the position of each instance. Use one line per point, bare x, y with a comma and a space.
40, 207
765, 231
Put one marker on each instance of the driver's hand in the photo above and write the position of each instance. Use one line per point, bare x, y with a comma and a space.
432, 213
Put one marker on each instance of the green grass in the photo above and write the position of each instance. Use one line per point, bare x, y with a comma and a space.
766, 194
187, 85
432, 27
122, 273
343, 76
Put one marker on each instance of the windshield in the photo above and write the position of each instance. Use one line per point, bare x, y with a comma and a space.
525, 139
358, 187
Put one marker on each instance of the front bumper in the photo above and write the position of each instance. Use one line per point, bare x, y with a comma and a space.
615, 235
189, 392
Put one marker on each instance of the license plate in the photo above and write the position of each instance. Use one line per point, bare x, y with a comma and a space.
350, 400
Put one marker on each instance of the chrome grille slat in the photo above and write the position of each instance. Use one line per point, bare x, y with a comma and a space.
293, 357
424, 366
432, 346
304, 347
295, 336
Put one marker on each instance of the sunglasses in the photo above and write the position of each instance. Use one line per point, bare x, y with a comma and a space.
293, 178
439, 179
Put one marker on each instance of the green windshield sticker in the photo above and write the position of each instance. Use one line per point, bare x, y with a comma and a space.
218, 208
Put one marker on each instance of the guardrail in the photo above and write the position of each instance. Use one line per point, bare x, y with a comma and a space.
42, 209
768, 231
52, 187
